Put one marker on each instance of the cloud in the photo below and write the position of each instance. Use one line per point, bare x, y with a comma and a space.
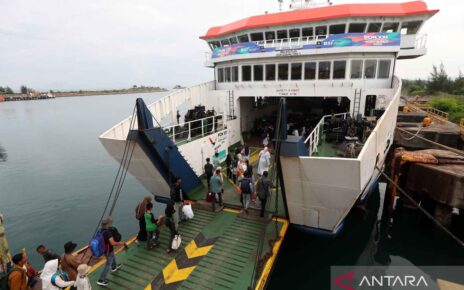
65, 44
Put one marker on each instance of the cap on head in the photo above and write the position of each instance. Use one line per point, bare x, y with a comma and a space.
107, 221
69, 247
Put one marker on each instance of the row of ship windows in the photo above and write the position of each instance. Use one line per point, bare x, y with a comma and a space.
406, 28
322, 70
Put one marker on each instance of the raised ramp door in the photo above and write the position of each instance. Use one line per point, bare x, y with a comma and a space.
162, 152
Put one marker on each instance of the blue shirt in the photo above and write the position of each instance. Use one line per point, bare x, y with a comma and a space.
215, 184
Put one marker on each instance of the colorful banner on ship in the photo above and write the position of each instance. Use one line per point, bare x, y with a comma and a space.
379, 39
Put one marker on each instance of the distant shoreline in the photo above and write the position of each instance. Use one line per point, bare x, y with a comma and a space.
80, 93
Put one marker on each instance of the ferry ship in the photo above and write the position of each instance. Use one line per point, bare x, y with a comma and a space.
335, 67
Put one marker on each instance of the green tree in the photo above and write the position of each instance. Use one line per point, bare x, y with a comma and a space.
24, 90
458, 85
439, 80
8, 90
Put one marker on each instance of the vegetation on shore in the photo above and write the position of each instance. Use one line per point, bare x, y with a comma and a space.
135, 89
446, 94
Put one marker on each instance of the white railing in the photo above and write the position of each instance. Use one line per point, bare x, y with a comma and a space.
413, 41
195, 129
314, 137
290, 43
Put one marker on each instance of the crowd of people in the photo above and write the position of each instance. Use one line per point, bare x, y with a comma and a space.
70, 270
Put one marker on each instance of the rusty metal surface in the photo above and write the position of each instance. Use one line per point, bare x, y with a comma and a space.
442, 183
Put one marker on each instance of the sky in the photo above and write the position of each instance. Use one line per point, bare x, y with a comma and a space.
102, 44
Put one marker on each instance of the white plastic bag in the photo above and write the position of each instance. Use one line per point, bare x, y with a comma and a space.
176, 242
187, 211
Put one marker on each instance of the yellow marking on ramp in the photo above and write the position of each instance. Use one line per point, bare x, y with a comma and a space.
148, 287
173, 274
193, 251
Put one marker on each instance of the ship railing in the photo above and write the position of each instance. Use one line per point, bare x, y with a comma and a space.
461, 125
195, 129
314, 138
434, 114
413, 41
290, 43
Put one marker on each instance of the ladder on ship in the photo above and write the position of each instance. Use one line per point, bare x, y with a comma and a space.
231, 105
357, 102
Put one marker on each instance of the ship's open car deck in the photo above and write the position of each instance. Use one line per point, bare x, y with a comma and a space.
218, 251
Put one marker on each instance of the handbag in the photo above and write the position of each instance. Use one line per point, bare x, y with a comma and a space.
176, 242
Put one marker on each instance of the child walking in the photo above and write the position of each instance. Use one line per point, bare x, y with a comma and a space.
82, 281
152, 227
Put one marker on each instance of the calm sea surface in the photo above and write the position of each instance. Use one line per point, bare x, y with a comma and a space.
55, 182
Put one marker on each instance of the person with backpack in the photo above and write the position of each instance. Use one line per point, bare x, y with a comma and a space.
69, 262
229, 166
246, 191
53, 277
263, 187
152, 227
208, 169
140, 216
110, 243
16, 278
177, 197
216, 188
169, 214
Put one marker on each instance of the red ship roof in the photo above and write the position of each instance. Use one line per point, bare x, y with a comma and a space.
322, 13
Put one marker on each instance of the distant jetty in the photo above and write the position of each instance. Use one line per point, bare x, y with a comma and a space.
57, 94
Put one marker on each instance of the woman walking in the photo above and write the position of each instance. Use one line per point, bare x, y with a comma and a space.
140, 215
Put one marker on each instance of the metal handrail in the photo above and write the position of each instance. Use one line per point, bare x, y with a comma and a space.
433, 113
287, 43
205, 128
461, 125
314, 136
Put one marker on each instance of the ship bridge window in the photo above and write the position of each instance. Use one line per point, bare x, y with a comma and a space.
283, 72
281, 34
225, 42
258, 72
384, 69
356, 69
390, 27
243, 38
246, 73
233, 40
410, 27
324, 70
258, 36
214, 44
339, 70
357, 28
294, 33
270, 72
374, 27
270, 35
370, 68
337, 29
296, 71
235, 74
227, 74
307, 32
321, 30
220, 75
310, 71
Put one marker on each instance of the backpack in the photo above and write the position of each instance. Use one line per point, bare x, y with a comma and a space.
63, 275
98, 245
245, 185
115, 233
4, 278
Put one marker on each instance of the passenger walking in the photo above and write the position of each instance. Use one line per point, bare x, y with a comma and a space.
217, 184
69, 262
110, 256
178, 196
264, 161
208, 169
82, 281
169, 212
46, 254
246, 190
53, 277
216, 160
17, 279
229, 166
140, 216
263, 187
246, 152
152, 227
